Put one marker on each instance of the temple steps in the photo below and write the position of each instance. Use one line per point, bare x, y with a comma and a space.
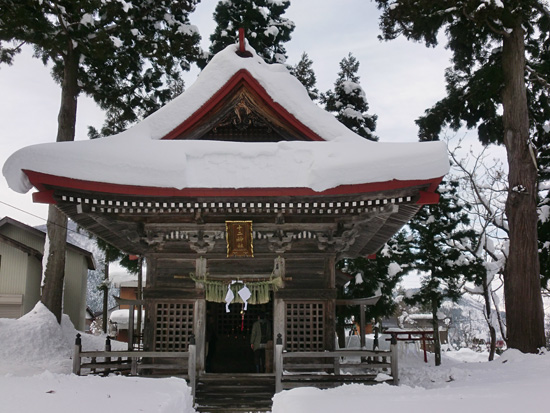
226, 392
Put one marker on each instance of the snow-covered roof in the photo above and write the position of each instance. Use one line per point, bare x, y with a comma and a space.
41, 232
123, 278
122, 317
140, 157
421, 316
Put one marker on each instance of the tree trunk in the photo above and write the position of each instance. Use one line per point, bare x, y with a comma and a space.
488, 316
54, 273
52, 292
524, 310
105, 319
437, 341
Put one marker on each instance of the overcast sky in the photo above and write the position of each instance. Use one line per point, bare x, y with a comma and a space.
401, 79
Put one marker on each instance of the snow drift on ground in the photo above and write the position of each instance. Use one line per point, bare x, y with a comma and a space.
35, 373
465, 382
35, 366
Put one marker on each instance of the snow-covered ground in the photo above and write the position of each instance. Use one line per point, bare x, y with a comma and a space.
35, 374
35, 366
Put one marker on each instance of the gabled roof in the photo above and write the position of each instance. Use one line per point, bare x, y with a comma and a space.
26, 228
242, 104
168, 152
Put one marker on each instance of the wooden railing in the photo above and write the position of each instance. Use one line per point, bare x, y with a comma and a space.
331, 368
134, 362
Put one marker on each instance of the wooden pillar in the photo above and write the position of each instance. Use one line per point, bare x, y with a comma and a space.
279, 316
76, 356
131, 327
200, 332
148, 325
279, 267
331, 270
192, 366
362, 325
107, 359
134, 366
278, 363
330, 305
330, 325
139, 296
199, 327
394, 359
279, 306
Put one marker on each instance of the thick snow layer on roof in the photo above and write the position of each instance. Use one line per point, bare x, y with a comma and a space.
122, 278
138, 156
122, 318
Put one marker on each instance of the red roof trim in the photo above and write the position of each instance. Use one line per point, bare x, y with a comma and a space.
428, 198
44, 197
41, 181
241, 76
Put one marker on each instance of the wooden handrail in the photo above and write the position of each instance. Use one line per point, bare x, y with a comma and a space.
137, 354
337, 353
131, 362
310, 371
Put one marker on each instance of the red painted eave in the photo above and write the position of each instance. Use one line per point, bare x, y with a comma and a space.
242, 76
44, 182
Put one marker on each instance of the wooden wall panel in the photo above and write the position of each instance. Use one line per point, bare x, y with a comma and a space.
307, 273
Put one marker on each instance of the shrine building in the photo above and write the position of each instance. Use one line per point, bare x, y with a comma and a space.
240, 195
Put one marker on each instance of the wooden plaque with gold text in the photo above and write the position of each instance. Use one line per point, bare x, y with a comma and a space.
239, 238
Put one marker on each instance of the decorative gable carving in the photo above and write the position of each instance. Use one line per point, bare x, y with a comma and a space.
242, 122
242, 111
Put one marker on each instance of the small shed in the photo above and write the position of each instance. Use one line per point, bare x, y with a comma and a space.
21, 250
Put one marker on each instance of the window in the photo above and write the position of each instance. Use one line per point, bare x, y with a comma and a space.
305, 326
173, 325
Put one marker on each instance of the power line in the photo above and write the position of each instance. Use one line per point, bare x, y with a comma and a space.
22, 210
36, 216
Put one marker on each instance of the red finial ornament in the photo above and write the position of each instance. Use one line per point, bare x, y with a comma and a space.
242, 51
241, 39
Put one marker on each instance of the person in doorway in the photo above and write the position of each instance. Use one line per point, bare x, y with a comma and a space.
261, 332
211, 339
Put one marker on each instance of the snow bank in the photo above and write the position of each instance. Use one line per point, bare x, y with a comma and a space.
34, 339
35, 367
36, 342
54, 393
515, 382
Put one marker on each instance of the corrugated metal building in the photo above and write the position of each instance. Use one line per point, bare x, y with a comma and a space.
21, 250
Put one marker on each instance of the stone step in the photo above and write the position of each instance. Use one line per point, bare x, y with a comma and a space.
234, 392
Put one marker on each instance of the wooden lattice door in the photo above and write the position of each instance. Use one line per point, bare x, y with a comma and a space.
173, 325
305, 326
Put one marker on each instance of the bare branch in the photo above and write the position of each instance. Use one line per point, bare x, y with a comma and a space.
481, 200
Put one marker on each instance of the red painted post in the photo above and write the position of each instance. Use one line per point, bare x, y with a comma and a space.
241, 39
